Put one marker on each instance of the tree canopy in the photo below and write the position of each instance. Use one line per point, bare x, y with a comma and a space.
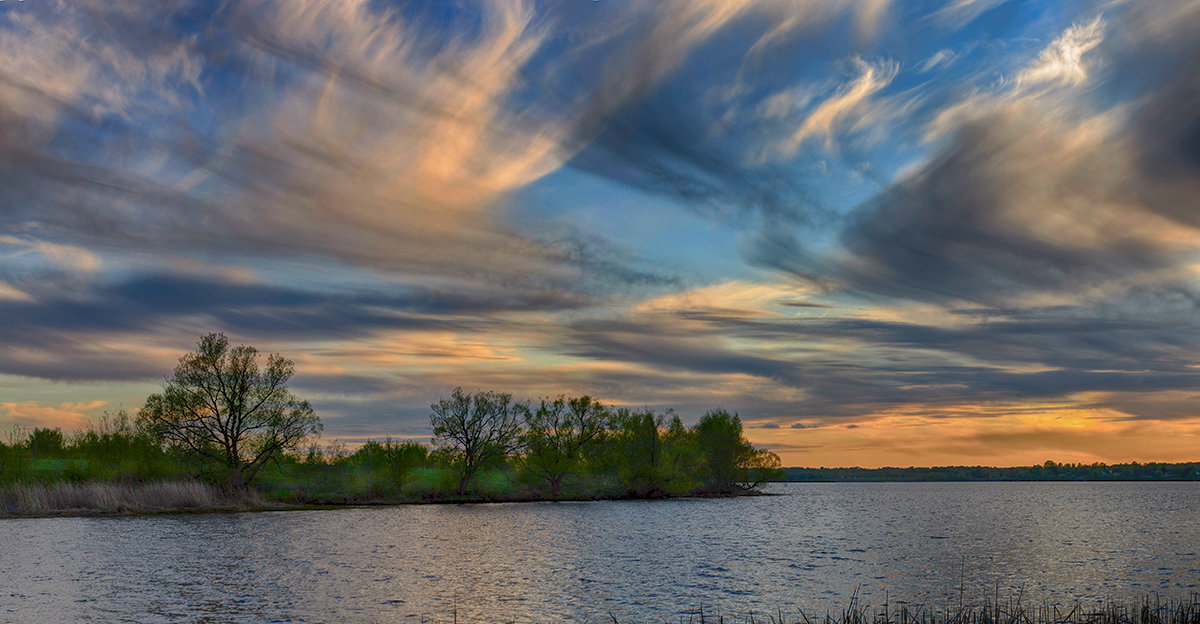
556, 434
220, 404
479, 427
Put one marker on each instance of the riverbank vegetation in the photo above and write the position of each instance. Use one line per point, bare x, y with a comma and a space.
565, 448
1146, 610
227, 433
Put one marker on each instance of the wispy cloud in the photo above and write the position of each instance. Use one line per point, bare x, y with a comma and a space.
959, 13
1032, 191
939, 59
849, 107
1063, 62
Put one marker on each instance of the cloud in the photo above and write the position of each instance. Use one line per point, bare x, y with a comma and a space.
69, 416
849, 107
1063, 61
959, 13
326, 130
1034, 192
117, 70
65, 258
940, 59
100, 325
647, 342
831, 363
348, 132
693, 131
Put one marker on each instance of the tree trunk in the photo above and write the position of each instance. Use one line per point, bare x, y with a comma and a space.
464, 482
238, 479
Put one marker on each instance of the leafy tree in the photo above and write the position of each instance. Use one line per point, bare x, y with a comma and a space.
760, 467
680, 457
14, 464
479, 428
392, 460
728, 460
8, 460
113, 448
557, 433
654, 455
722, 449
638, 450
45, 442
219, 404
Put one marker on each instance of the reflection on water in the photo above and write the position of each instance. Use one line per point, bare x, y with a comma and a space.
811, 547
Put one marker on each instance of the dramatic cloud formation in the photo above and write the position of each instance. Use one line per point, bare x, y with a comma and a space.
882, 232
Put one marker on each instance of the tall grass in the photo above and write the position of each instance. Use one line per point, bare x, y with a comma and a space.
95, 498
1149, 610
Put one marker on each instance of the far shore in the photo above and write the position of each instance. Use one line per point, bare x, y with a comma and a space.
1047, 471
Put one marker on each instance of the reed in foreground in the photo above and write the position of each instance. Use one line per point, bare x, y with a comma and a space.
1149, 610
103, 498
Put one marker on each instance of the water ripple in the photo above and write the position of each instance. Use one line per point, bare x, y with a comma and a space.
811, 548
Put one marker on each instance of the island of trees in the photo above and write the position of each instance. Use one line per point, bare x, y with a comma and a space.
226, 426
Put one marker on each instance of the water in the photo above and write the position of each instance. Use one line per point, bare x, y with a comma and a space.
812, 548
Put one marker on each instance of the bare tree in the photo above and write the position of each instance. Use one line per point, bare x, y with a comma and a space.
219, 404
480, 427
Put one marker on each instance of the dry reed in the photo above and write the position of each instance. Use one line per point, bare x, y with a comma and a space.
1149, 610
100, 498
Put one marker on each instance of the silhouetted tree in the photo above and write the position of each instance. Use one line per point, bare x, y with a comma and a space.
218, 403
556, 434
478, 428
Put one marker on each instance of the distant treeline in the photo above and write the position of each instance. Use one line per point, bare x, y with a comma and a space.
1048, 471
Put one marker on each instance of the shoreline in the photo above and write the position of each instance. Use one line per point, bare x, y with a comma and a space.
104, 500
215, 499
1171, 480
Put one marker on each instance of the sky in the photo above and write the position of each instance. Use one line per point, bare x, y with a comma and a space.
884, 232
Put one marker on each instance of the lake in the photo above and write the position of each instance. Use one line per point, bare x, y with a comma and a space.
811, 547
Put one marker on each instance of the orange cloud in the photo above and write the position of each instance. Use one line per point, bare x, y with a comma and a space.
989, 435
69, 416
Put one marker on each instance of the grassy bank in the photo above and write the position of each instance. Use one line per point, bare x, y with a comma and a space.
99, 498
286, 487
